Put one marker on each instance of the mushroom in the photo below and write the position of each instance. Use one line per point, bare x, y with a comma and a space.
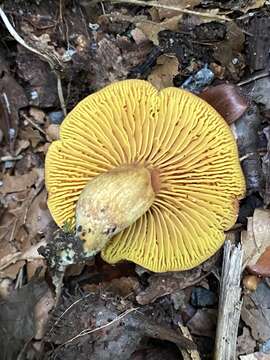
144, 175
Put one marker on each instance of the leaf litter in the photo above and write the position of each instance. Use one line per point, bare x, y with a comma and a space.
91, 45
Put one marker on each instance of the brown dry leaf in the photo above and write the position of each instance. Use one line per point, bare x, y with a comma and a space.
253, 4
183, 4
21, 145
35, 265
151, 29
262, 266
16, 183
256, 238
256, 312
52, 132
32, 135
38, 216
167, 283
228, 52
203, 323
12, 271
42, 309
164, 72
245, 342
37, 115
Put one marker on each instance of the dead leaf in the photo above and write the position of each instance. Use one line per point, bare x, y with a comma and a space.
17, 318
164, 72
151, 29
16, 183
12, 271
256, 312
167, 283
252, 4
38, 216
262, 266
37, 115
183, 4
245, 342
52, 132
228, 52
33, 135
256, 238
21, 145
42, 309
203, 323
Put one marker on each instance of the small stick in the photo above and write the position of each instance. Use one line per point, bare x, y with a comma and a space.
174, 8
188, 354
10, 158
253, 78
229, 303
26, 118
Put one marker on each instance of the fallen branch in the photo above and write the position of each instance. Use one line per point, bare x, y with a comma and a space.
229, 303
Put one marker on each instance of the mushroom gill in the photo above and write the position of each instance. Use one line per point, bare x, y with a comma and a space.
193, 162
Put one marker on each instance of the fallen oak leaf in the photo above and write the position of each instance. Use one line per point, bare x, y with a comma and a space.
17, 183
164, 72
151, 28
256, 239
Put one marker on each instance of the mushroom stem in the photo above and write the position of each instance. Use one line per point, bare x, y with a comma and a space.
113, 201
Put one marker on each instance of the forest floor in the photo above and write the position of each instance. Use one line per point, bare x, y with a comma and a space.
61, 51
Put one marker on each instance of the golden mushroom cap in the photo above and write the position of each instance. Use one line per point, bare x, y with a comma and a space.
171, 130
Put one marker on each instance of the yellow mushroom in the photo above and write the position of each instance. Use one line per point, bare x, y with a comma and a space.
147, 176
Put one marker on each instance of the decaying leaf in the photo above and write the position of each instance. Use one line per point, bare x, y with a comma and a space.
33, 135
183, 4
42, 309
151, 28
39, 216
256, 312
17, 183
229, 52
245, 342
203, 323
256, 238
17, 318
164, 72
252, 4
167, 283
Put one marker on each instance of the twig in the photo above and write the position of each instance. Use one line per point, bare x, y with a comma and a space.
90, 331
53, 62
186, 353
10, 158
174, 8
26, 118
67, 309
254, 78
28, 255
229, 303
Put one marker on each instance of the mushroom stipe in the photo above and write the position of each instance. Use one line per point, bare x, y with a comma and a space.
147, 176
